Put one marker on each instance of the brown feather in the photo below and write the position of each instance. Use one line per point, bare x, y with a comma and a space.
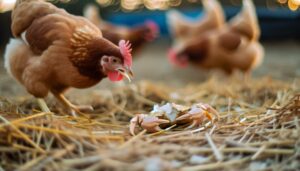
230, 40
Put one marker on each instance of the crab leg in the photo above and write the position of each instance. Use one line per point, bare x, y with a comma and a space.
196, 118
153, 126
134, 122
209, 111
197, 114
149, 123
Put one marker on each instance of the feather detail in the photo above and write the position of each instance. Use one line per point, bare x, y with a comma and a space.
79, 41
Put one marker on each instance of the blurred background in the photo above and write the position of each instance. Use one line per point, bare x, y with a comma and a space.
279, 21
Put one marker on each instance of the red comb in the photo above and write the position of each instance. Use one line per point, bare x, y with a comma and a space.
152, 26
172, 56
125, 48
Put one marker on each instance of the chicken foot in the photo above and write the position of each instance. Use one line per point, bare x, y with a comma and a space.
72, 108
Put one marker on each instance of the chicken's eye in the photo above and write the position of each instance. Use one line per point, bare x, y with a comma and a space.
116, 60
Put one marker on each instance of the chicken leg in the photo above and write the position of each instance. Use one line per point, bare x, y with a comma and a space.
43, 105
73, 108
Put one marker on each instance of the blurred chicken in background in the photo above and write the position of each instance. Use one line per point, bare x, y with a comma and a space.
183, 28
138, 35
229, 47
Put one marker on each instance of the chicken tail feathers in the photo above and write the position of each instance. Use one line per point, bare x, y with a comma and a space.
181, 26
176, 22
17, 54
246, 22
214, 12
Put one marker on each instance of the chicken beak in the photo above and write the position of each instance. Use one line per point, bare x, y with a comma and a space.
126, 72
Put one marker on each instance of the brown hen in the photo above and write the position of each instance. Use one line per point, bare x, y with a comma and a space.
234, 46
54, 50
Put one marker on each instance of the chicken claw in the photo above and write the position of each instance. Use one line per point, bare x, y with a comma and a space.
73, 108
149, 123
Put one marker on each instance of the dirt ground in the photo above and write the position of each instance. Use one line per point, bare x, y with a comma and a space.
282, 61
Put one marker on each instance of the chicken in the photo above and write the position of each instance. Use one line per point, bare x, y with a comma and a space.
183, 28
234, 46
138, 35
53, 51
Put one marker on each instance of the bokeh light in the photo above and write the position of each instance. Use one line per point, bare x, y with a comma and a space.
292, 4
6, 5
282, 1
156, 4
130, 5
105, 3
297, 2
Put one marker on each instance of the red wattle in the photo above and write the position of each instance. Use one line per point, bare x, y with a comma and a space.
114, 76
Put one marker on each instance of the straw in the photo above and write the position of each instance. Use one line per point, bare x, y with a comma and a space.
259, 124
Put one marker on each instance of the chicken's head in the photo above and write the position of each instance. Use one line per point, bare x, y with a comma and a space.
151, 30
193, 52
178, 59
115, 67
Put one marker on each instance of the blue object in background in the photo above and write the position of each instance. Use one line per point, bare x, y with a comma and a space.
277, 24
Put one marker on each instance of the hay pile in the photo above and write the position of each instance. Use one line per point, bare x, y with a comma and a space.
259, 129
